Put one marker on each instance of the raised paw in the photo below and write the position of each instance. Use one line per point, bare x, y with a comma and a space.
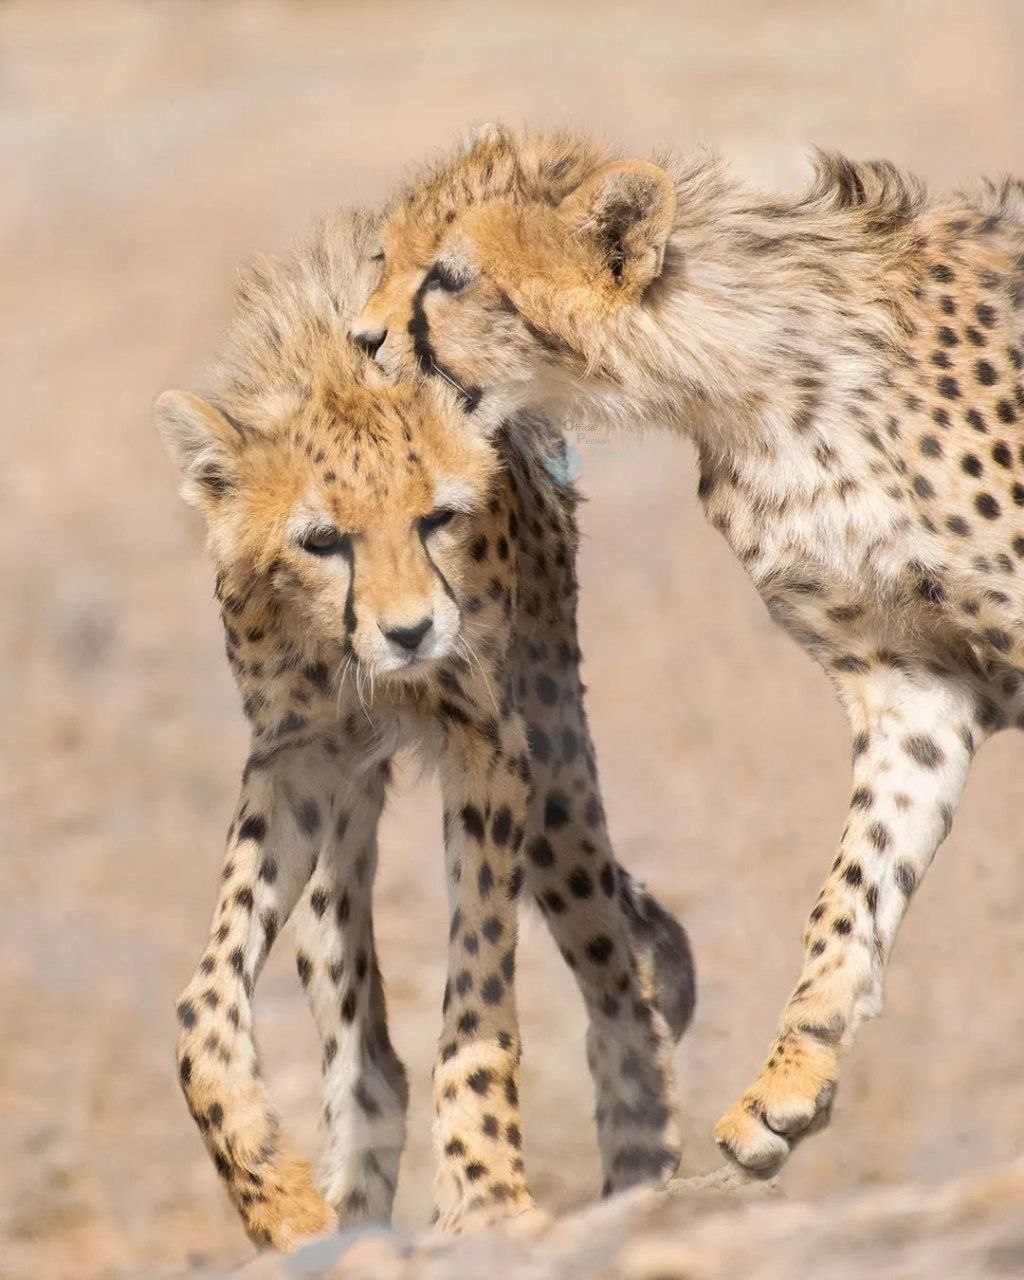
790, 1099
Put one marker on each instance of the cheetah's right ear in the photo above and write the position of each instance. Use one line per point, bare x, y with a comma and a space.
202, 442
625, 211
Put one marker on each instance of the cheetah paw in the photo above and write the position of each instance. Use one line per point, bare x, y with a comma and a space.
760, 1131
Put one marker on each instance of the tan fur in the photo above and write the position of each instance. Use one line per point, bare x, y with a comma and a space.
321, 483
848, 363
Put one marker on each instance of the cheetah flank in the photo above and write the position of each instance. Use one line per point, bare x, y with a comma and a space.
389, 575
848, 363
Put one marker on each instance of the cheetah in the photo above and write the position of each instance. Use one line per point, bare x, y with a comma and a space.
389, 575
848, 364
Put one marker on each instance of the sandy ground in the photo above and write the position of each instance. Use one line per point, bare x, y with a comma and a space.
148, 148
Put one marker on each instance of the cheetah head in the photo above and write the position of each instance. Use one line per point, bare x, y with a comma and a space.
514, 292
339, 516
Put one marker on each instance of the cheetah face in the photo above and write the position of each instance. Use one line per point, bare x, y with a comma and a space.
346, 519
515, 302
437, 314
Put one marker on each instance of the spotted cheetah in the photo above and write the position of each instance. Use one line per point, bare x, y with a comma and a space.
848, 363
390, 575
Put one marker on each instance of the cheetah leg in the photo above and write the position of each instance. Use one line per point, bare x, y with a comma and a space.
364, 1087
914, 736
480, 1174
617, 940
272, 844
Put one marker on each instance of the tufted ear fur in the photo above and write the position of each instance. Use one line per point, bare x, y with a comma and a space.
488, 133
202, 442
625, 210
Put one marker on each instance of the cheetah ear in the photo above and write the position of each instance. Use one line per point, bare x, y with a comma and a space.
202, 441
625, 210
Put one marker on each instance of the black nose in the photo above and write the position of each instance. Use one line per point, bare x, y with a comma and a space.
409, 637
369, 340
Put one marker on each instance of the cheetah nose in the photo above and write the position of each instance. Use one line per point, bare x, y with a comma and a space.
369, 340
409, 638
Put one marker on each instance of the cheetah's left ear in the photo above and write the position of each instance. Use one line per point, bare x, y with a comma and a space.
626, 211
202, 441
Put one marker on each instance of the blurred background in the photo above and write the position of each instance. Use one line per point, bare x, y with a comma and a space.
147, 149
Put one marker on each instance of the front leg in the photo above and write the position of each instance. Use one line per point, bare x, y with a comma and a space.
477, 1131
272, 847
915, 732
364, 1086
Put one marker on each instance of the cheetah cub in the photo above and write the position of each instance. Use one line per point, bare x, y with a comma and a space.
848, 364
391, 575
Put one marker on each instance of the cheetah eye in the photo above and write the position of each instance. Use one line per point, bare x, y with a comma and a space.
326, 540
443, 277
436, 520
377, 257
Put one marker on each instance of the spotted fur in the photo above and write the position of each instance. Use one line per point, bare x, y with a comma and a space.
390, 576
848, 363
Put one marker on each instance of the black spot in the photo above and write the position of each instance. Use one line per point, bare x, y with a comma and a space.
949, 387
906, 878
473, 821
307, 815
547, 690
501, 827
539, 744
187, 1013
593, 813
998, 639
987, 506
600, 948
480, 1081
492, 989
985, 373
253, 828
580, 883
557, 810
924, 750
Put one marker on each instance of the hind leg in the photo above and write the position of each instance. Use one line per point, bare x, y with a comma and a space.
630, 959
364, 1087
